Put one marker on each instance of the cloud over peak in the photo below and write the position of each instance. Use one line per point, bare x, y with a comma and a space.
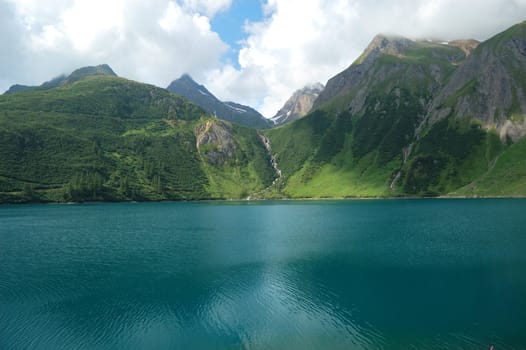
297, 42
150, 41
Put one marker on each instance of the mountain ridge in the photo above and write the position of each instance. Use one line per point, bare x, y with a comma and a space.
406, 118
105, 138
188, 88
76, 75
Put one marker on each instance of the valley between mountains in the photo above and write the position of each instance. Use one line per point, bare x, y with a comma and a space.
407, 118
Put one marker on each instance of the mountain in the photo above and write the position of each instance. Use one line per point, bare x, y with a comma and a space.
78, 74
101, 137
417, 118
298, 105
186, 87
407, 118
490, 85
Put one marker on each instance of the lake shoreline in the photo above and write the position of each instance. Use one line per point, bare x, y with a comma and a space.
313, 199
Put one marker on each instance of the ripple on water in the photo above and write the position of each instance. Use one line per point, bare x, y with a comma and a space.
296, 276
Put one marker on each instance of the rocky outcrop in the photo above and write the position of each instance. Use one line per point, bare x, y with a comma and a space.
489, 86
216, 142
298, 105
344, 82
486, 82
468, 46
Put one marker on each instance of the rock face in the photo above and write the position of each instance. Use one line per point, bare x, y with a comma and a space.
413, 117
186, 87
298, 105
490, 86
216, 142
387, 65
486, 82
468, 46
352, 76
114, 139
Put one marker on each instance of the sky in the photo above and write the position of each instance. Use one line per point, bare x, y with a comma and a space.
254, 52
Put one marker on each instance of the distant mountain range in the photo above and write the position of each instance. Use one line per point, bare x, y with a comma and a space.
407, 118
186, 87
298, 105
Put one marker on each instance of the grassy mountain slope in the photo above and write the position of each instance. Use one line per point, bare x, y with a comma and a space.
408, 118
474, 121
107, 138
364, 127
505, 175
395, 124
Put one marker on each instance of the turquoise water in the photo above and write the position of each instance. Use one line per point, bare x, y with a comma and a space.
382, 274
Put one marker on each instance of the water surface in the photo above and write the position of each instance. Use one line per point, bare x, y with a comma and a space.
382, 274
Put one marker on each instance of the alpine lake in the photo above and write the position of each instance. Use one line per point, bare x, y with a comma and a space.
347, 274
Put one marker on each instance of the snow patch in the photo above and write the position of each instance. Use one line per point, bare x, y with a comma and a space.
240, 110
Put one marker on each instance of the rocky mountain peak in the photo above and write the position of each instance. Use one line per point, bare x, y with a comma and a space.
385, 44
298, 105
187, 83
186, 79
198, 94
353, 75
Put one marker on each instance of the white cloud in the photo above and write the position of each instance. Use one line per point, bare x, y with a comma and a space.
10, 26
207, 7
154, 41
303, 41
85, 20
296, 43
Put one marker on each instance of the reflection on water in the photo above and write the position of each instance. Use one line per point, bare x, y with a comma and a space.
272, 275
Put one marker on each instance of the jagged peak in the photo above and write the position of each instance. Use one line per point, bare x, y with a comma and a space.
299, 104
312, 88
385, 44
186, 77
186, 81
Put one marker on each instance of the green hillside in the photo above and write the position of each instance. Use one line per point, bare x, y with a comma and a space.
380, 130
407, 118
356, 150
107, 138
505, 175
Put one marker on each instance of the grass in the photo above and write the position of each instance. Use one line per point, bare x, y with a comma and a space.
107, 138
336, 152
505, 177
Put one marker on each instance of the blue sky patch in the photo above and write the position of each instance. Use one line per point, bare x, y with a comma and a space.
230, 24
